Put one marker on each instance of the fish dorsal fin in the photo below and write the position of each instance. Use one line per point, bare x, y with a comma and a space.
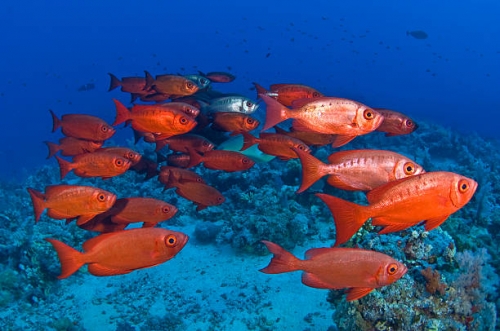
312, 280
100, 270
275, 87
311, 253
341, 140
433, 223
91, 243
376, 194
355, 293
340, 157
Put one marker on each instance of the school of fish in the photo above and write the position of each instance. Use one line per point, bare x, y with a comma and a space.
185, 114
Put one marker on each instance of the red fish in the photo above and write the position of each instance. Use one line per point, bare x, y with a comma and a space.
395, 124
71, 201
357, 170
221, 160
83, 126
178, 160
201, 194
161, 121
275, 144
70, 146
233, 122
145, 166
129, 84
286, 94
181, 143
120, 252
358, 270
104, 165
430, 197
219, 76
170, 176
345, 118
174, 86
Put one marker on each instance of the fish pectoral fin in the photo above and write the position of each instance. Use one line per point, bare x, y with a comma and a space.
100, 270
312, 280
355, 293
346, 183
341, 140
433, 223
82, 219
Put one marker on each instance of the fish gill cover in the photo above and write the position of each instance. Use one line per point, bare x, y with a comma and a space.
179, 194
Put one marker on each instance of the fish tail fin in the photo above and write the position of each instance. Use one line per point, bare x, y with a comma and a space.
282, 261
348, 216
56, 123
248, 140
260, 90
122, 113
53, 148
194, 158
275, 112
71, 259
64, 166
115, 82
38, 199
312, 169
150, 81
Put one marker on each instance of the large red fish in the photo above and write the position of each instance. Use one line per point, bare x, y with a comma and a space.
275, 144
357, 170
71, 201
83, 126
162, 122
96, 164
431, 197
70, 146
221, 160
358, 270
286, 94
345, 118
120, 252
395, 123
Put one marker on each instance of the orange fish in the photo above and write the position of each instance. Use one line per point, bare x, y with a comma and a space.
275, 144
71, 201
345, 118
219, 76
358, 270
395, 123
161, 121
357, 170
430, 197
181, 143
70, 146
96, 164
82, 126
128, 84
201, 194
174, 86
286, 94
233, 122
220, 160
170, 176
120, 252
148, 210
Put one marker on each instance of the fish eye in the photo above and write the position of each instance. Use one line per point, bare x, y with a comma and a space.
315, 94
220, 199
198, 179
171, 240
245, 160
203, 81
190, 85
249, 104
130, 155
463, 185
301, 147
409, 168
409, 123
368, 114
250, 121
392, 269
165, 209
101, 197
104, 129
183, 120
119, 162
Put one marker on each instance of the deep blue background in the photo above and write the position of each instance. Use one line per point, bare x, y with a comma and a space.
352, 49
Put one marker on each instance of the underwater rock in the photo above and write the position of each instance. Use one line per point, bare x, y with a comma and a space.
206, 232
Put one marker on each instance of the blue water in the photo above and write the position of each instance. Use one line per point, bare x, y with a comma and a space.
353, 49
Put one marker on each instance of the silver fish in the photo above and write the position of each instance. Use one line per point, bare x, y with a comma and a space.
199, 80
235, 103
